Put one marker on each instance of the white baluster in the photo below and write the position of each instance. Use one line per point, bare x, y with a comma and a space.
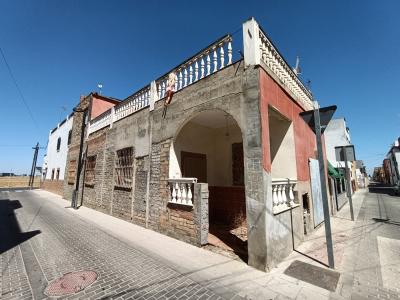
215, 60
176, 82
184, 194
208, 64
279, 191
264, 53
179, 194
180, 80
275, 195
159, 91
284, 197
196, 71
229, 52
222, 58
173, 193
186, 77
202, 67
162, 89
190, 74
189, 195
291, 194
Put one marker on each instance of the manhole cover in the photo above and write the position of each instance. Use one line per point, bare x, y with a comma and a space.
70, 283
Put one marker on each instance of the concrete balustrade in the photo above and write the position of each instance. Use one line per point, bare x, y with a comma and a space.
283, 194
181, 190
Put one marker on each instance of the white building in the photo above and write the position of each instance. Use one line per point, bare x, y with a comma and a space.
336, 134
57, 150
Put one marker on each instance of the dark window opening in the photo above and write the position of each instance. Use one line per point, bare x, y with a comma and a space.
58, 144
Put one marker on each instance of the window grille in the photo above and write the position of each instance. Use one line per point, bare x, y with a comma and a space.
90, 170
71, 172
124, 168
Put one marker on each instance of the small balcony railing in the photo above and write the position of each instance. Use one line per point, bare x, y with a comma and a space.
181, 190
283, 194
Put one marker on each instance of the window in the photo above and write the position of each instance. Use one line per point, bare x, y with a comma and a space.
124, 168
90, 170
69, 136
71, 172
58, 174
58, 144
52, 174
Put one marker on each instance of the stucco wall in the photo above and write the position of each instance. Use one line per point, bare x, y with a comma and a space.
285, 227
57, 159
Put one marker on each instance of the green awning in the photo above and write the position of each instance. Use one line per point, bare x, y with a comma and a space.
333, 172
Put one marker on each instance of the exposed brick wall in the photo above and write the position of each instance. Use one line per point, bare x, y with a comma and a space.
139, 203
73, 150
95, 147
54, 186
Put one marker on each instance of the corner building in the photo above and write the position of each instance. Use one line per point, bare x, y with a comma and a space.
228, 165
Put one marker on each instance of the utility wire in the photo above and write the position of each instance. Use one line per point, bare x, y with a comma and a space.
18, 89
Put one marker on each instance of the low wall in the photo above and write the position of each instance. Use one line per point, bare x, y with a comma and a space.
54, 186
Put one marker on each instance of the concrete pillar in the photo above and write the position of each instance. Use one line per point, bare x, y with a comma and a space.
200, 202
251, 44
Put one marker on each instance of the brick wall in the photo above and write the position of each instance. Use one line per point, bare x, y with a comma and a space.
54, 186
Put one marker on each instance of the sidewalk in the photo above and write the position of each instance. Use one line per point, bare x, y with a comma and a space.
230, 278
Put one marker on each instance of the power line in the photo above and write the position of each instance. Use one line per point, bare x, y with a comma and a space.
18, 89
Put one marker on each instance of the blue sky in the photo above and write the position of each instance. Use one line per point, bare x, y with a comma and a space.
59, 50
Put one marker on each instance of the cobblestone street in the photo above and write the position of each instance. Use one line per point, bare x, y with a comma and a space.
43, 239
67, 243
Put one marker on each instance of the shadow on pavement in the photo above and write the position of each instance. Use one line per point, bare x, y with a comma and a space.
10, 231
379, 188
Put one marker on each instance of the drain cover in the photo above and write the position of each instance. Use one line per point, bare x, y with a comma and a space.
70, 283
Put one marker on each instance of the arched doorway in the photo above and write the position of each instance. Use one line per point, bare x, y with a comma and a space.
209, 147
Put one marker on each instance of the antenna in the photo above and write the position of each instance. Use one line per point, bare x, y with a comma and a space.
100, 86
297, 69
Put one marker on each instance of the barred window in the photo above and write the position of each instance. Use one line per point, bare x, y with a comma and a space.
58, 174
71, 171
124, 168
90, 170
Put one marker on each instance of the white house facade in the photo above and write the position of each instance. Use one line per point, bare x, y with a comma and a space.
56, 156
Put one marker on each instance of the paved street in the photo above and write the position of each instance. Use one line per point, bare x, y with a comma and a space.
67, 243
371, 267
42, 239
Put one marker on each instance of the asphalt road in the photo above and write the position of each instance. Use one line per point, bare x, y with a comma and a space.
41, 242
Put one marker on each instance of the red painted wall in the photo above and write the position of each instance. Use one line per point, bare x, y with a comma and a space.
305, 147
99, 106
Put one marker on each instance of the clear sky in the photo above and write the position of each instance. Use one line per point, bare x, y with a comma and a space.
59, 50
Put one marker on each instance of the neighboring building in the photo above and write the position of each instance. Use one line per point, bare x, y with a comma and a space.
56, 156
7, 174
54, 161
393, 156
228, 163
338, 134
